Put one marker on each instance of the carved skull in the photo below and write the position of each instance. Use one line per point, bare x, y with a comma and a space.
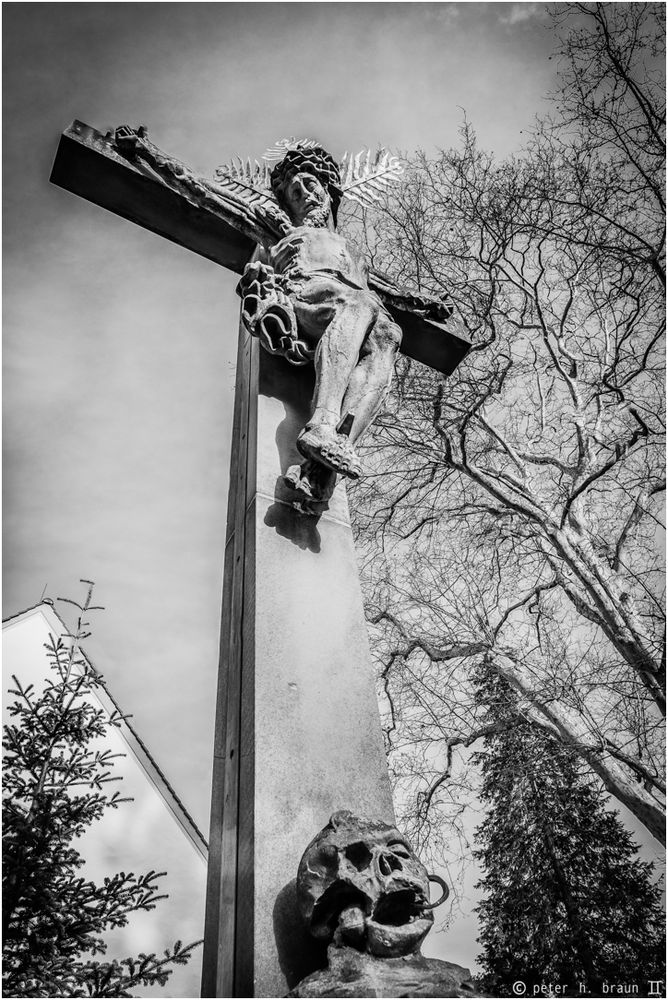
360, 884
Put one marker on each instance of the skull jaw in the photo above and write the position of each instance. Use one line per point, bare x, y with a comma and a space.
395, 926
388, 941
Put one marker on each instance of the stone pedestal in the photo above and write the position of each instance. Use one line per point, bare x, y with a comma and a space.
352, 973
298, 733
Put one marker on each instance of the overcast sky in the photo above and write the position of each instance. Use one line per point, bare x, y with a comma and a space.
119, 346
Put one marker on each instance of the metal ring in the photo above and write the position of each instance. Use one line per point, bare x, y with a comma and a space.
446, 892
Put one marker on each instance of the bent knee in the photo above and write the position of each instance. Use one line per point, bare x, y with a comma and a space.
385, 336
353, 308
356, 300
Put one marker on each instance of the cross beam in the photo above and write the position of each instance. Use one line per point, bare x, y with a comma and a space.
87, 164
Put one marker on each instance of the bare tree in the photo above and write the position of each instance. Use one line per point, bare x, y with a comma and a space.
515, 510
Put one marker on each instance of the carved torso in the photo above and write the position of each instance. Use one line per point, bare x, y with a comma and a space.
307, 250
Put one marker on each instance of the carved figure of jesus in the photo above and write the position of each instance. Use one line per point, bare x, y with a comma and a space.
350, 334
306, 296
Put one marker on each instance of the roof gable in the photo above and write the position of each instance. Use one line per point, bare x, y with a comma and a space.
45, 615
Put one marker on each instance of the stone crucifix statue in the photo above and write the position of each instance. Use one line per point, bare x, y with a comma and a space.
297, 735
307, 293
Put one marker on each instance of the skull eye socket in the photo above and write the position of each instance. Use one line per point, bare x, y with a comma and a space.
328, 858
399, 849
359, 855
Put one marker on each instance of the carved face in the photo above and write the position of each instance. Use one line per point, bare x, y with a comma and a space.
306, 201
361, 881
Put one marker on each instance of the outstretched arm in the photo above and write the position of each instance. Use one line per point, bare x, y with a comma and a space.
253, 213
427, 306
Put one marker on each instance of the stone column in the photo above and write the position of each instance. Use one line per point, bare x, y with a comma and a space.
297, 733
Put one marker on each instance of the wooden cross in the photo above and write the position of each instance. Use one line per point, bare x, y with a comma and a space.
297, 729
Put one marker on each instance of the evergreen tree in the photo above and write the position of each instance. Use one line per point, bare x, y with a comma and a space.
56, 776
566, 899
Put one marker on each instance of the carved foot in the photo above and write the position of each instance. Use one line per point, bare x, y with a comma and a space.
322, 443
313, 485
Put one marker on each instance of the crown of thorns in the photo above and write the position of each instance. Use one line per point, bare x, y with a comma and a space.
311, 160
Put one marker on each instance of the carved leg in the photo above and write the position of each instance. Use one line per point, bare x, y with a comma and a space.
367, 387
335, 359
370, 381
338, 353
336, 356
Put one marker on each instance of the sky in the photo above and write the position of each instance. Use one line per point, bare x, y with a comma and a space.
119, 347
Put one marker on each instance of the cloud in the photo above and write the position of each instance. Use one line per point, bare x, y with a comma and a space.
444, 13
521, 12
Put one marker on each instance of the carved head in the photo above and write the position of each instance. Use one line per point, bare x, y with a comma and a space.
360, 880
307, 183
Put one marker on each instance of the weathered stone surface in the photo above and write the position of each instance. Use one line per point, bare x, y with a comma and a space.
360, 882
298, 732
352, 973
362, 889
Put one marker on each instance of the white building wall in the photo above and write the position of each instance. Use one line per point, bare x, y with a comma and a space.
136, 837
